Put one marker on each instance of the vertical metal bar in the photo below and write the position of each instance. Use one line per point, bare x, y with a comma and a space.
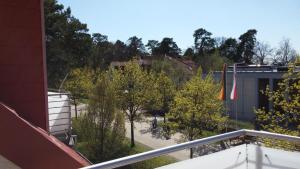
225, 93
158, 152
236, 107
70, 114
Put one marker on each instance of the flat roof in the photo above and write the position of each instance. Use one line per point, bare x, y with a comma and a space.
246, 156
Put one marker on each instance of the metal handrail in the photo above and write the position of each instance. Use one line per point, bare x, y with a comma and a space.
166, 150
266, 134
58, 94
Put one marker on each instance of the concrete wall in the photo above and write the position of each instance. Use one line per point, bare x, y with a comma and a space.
23, 80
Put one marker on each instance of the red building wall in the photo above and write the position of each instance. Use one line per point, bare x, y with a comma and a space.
30, 147
23, 83
23, 87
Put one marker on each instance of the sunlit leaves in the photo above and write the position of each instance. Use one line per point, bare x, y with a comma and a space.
284, 117
196, 108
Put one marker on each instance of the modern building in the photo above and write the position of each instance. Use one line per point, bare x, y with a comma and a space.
251, 80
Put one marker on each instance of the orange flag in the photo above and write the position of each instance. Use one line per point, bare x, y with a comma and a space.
222, 94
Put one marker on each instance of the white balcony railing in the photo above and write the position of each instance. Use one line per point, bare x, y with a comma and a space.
163, 151
59, 108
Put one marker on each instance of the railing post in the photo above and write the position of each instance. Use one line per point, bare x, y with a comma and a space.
158, 152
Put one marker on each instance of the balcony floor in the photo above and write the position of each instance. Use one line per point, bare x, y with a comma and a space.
5, 163
243, 157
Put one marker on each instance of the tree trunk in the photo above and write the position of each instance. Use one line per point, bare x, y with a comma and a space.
75, 104
191, 138
132, 133
102, 145
191, 153
102, 136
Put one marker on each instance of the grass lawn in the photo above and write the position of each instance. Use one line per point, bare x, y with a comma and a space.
151, 163
241, 124
126, 150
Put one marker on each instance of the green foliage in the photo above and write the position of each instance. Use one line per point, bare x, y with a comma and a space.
167, 47
284, 117
166, 91
229, 50
148, 164
207, 47
297, 60
203, 41
135, 46
212, 62
152, 45
79, 82
208, 54
101, 52
125, 150
246, 46
196, 108
189, 53
133, 86
68, 44
173, 70
162, 93
101, 131
240, 124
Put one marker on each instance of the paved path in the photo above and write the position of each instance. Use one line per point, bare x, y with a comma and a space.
80, 109
143, 135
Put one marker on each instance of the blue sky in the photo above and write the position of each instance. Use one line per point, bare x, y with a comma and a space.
155, 19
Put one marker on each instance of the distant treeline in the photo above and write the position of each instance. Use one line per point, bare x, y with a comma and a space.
69, 45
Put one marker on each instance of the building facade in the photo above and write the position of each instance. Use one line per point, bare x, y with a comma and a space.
251, 80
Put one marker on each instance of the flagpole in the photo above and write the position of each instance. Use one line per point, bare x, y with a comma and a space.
233, 94
225, 88
236, 115
236, 106
222, 94
226, 113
